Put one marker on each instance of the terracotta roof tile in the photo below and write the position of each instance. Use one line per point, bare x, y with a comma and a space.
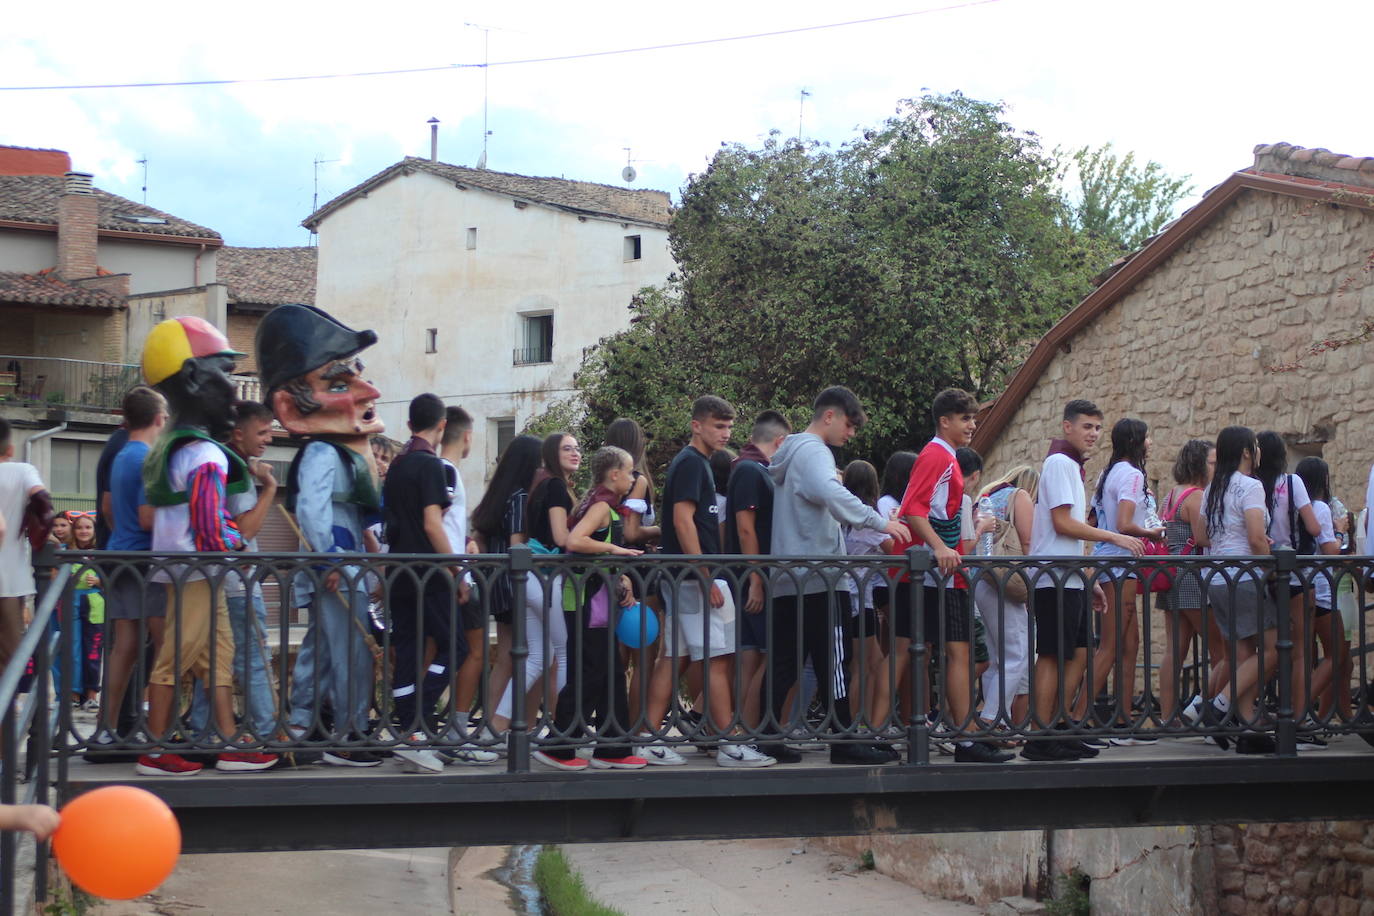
1318, 164
33, 199
583, 197
43, 289
267, 276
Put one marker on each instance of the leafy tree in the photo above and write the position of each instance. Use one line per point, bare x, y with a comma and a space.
930, 251
1120, 202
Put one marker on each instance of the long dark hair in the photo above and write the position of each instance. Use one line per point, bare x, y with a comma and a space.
896, 474
629, 435
514, 471
1316, 476
1273, 462
549, 465
1232, 444
861, 479
1128, 445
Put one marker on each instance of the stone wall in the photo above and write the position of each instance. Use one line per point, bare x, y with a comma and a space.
1319, 868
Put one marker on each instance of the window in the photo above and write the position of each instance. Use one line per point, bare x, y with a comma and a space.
632, 248
431, 340
472, 238
505, 434
537, 342
72, 466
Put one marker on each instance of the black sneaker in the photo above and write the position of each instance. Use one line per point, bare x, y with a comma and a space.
1214, 718
1255, 744
1048, 750
980, 753
860, 754
355, 758
781, 753
1083, 750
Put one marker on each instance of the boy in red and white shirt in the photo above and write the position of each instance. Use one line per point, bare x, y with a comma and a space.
931, 509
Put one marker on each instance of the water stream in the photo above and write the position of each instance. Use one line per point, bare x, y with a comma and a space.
518, 875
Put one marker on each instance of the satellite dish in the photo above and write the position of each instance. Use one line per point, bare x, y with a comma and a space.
628, 173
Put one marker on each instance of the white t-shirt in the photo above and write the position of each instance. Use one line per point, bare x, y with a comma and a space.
1125, 482
1368, 513
172, 524
889, 504
456, 515
1279, 529
1321, 583
16, 564
966, 518
1231, 539
864, 542
1061, 484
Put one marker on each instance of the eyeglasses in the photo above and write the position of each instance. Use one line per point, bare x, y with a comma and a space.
80, 513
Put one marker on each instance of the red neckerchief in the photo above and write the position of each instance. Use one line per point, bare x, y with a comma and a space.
416, 444
1062, 447
598, 494
750, 452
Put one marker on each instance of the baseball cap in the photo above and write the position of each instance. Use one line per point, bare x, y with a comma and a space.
170, 343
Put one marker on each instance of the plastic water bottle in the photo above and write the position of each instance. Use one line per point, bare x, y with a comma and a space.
986, 539
1339, 511
1152, 519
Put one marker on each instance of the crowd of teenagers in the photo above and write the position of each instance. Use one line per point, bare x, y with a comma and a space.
742, 649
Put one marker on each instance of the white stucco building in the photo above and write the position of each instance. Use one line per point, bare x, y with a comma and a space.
484, 287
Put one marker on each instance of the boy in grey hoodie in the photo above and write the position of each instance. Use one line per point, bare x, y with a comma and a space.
808, 508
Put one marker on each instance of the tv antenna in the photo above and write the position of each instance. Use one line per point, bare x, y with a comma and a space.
315, 199
486, 86
144, 162
801, 111
629, 173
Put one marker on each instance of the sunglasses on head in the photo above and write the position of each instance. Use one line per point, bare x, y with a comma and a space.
74, 514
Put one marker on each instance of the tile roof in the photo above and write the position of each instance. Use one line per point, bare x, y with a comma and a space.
1318, 164
267, 276
582, 197
33, 199
45, 289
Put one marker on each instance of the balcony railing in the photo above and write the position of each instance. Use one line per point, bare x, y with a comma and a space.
529, 356
248, 387
36, 381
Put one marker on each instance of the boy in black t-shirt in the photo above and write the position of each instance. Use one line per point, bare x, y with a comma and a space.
414, 498
749, 531
698, 625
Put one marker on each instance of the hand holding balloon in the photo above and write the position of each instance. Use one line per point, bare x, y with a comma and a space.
40, 820
118, 842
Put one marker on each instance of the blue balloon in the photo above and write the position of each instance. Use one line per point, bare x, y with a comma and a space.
635, 622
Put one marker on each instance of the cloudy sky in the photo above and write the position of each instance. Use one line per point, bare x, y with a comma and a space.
1193, 84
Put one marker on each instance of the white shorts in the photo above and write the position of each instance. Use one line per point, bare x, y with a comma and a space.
688, 632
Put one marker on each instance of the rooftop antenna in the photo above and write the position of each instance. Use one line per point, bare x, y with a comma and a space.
801, 111
433, 139
144, 162
315, 200
628, 174
486, 84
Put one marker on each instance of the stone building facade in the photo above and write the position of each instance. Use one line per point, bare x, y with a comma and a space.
1187, 333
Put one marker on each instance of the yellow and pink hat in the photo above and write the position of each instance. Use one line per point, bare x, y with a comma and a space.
170, 343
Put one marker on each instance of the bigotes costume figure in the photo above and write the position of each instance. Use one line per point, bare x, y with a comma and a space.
313, 379
187, 476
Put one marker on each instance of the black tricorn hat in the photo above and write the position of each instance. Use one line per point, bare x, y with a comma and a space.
296, 339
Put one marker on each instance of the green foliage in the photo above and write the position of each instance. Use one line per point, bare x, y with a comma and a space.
1070, 895
563, 890
866, 860
930, 251
1119, 202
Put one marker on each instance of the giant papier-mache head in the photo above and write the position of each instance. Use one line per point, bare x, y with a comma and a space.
191, 363
312, 376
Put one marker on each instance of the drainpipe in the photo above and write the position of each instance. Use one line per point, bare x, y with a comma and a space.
195, 269
47, 433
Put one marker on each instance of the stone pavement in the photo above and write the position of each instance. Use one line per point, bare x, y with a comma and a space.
744, 878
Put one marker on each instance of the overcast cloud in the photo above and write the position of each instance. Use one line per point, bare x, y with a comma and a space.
1193, 85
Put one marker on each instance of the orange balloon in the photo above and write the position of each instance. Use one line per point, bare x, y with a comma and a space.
117, 842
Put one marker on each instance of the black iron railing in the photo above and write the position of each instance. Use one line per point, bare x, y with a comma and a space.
379, 625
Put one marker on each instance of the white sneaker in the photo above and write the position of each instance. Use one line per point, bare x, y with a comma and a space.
660, 755
1133, 741
467, 753
742, 755
802, 739
418, 759
1193, 711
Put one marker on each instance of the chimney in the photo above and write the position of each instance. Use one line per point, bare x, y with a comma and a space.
433, 139
18, 160
77, 213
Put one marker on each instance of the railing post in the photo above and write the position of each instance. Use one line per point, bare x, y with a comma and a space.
1286, 729
521, 560
919, 561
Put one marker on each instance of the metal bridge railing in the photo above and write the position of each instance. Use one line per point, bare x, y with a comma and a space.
353, 681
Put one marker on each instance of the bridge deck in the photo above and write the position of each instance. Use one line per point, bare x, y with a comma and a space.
1171, 782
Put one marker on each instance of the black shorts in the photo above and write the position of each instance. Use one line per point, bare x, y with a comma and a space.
952, 612
866, 624
1060, 635
472, 616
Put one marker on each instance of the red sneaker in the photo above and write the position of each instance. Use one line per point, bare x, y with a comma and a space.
629, 762
245, 761
166, 765
571, 764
